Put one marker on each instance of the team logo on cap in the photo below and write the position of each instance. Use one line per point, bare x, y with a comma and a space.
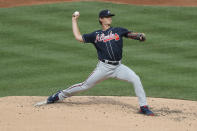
108, 12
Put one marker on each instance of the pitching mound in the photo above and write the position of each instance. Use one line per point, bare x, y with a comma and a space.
103, 113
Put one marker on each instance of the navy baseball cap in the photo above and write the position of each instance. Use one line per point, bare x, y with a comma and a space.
105, 13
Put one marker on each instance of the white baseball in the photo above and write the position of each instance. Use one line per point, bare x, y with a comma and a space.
76, 13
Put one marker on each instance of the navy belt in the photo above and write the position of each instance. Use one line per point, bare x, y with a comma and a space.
111, 62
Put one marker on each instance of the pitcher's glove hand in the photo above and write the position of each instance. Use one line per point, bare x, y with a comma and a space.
136, 36
141, 37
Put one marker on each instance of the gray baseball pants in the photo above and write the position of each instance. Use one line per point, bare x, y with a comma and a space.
104, 71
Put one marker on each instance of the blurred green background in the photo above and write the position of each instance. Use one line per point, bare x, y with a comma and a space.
39, 55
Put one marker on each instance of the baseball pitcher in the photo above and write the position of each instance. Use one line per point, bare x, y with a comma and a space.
108, 42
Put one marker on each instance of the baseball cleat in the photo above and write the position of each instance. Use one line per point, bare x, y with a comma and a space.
53, 98
145, 110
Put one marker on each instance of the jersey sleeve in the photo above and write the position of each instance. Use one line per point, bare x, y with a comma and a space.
89, 38
124, 32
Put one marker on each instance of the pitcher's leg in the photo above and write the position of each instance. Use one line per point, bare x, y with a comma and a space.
96, 77
126, 74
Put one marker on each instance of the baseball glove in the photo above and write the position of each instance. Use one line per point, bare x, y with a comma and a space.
141, 37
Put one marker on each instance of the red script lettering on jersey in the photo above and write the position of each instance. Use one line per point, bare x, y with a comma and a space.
111, 36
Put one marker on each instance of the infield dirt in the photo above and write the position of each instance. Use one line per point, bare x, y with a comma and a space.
13, 3
91, 113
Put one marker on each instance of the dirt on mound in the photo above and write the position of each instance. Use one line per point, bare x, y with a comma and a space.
12, 3
91, 113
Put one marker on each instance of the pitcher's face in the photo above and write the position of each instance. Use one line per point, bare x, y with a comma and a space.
106, 20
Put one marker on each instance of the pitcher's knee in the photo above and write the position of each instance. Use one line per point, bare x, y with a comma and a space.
136, 79
86, 86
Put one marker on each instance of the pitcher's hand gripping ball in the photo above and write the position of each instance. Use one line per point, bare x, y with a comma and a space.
76, 13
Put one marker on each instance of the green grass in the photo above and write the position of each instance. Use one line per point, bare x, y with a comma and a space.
39, 55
